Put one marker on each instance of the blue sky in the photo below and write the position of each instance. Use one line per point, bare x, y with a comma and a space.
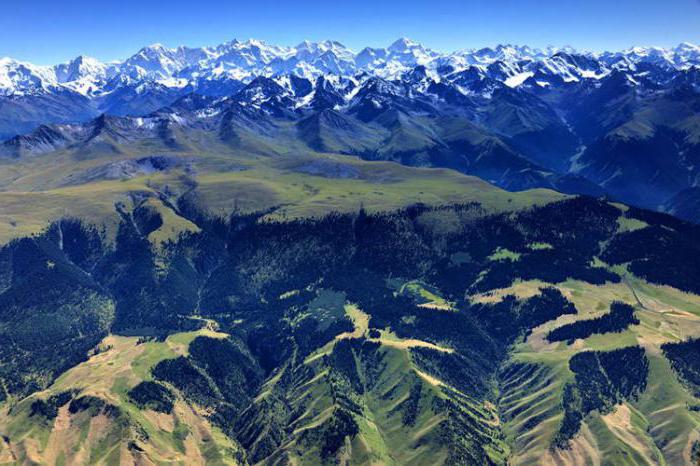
49, 31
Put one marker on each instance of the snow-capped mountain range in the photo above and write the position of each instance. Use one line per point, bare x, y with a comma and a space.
186, 67
624, 124
157, 77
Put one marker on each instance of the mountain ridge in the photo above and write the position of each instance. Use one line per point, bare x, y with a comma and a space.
174, 67
516, 116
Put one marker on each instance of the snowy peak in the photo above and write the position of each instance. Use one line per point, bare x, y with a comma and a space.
227, 64
79, 68
403, 45
24, 78
154, 61
315, 49
409, 53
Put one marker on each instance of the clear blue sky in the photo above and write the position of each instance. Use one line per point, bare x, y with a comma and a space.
49, 31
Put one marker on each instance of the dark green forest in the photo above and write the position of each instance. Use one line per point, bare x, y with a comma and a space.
260, 282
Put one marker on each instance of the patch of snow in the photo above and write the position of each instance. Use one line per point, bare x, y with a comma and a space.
518, 79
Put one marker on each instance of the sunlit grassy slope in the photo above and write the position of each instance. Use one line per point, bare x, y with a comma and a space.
657, 428
88, 182
124, 433
395, 410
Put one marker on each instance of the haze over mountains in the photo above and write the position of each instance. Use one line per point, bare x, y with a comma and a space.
624, 124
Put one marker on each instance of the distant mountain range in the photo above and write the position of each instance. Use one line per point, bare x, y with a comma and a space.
197, 68
623, 124
255, 255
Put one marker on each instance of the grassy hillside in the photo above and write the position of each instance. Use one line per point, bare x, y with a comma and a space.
396, 411
87, 182
656, 428
329, 318
87, 415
